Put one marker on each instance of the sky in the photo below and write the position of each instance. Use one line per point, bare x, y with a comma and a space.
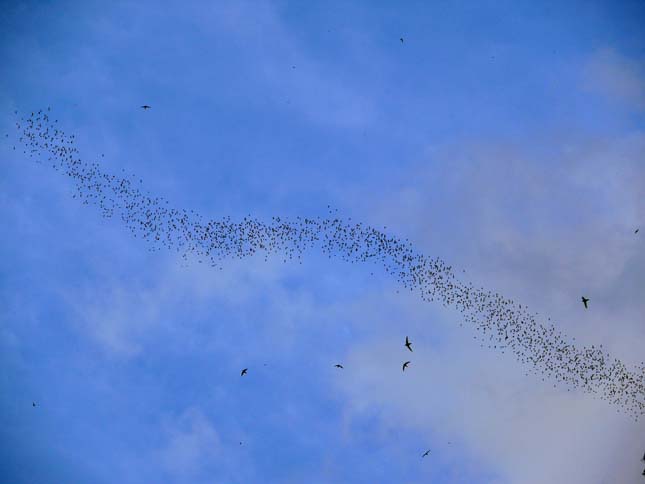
506, 138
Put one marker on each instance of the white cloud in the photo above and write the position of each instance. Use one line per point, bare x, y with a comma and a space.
191, 443
527, 430
617, 76
123, 315
542, 229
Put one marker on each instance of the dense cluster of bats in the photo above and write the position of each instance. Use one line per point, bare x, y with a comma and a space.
500, 323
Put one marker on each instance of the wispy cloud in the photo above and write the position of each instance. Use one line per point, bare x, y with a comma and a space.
191, 442
542, 228
619, 77
121, 315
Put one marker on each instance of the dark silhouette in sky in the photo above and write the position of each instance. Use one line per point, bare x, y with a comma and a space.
495, 318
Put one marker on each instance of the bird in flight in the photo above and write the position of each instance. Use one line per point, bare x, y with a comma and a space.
406, 364
408, 345
145, 107
585, 300
244, 371
426, 453
401, 39
636, 231
338, 366
33, 404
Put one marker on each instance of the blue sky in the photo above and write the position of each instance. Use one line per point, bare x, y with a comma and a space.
504, 137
